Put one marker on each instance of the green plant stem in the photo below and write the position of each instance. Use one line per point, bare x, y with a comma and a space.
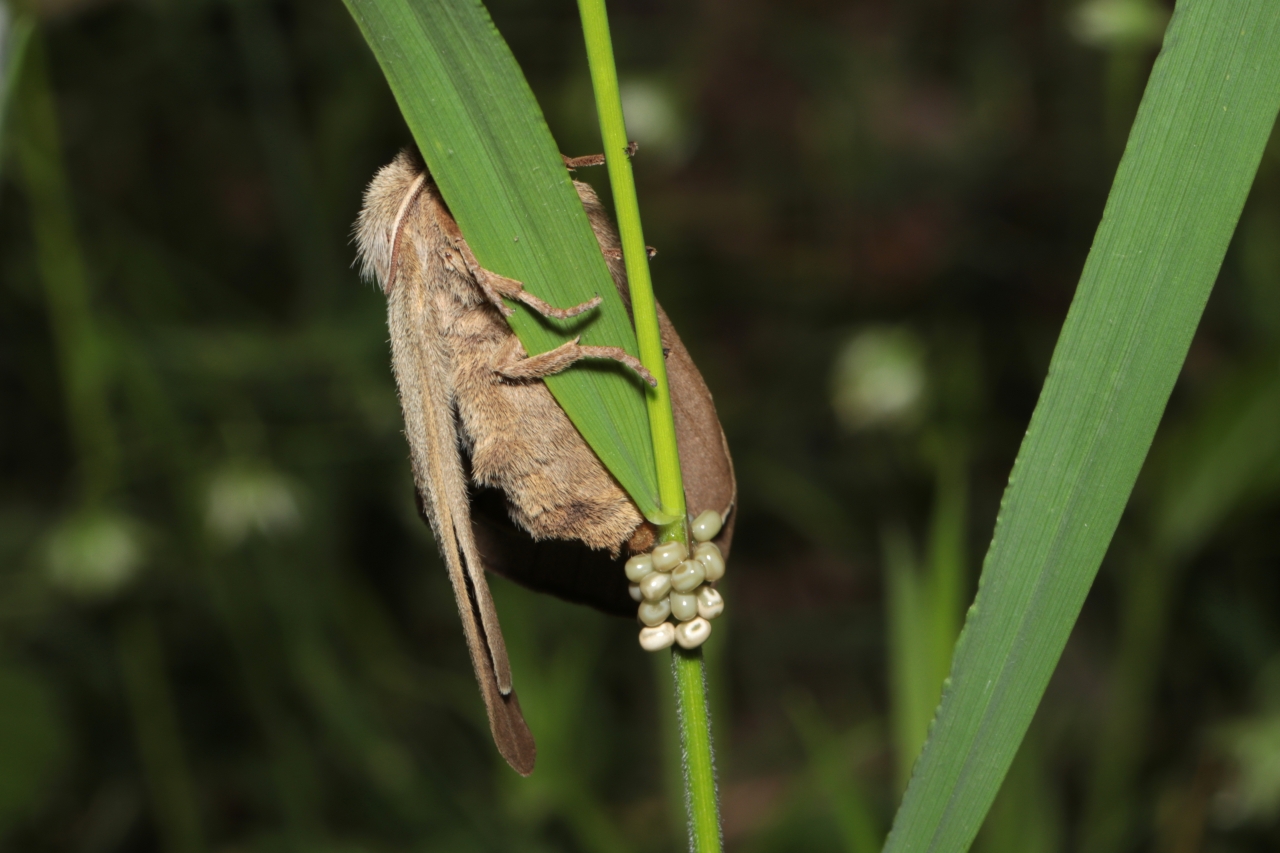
604, 80
701, 804
688, 667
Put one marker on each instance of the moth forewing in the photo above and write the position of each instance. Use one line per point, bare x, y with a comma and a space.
402, 243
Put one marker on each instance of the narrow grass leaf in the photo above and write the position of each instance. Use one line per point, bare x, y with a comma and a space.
83, 352
488, 148
1200, 132
914, 684
15, 34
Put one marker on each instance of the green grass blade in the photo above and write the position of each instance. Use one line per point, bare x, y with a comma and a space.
914, 684
1192, 154
484, 139
83, 351
923, 607
15, 35
829, 758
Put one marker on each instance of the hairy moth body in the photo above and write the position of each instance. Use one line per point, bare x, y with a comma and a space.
503, 477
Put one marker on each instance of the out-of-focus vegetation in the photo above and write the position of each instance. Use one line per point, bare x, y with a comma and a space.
222, 626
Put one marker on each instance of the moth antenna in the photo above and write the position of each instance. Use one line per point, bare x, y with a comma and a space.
588, 160
397, 227
616, 254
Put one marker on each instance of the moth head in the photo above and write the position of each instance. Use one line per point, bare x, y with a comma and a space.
387, 201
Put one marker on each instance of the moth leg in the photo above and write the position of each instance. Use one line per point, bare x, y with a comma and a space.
616, 254
495, 287
512, 289
551, 362
584, 162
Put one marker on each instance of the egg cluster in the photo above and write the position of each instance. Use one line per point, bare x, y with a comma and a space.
670, 583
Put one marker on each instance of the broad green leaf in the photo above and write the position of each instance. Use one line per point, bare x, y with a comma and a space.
485, 141
1200, 132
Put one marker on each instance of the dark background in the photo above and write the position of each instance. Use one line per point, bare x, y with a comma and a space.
223, 627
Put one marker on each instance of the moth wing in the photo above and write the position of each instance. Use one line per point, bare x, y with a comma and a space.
421, 362
705, 464
571, 570
442, 493
565, 568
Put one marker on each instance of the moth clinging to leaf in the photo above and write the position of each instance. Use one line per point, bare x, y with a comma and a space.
504, 478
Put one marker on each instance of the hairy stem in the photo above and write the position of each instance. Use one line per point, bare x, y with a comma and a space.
700, 801
604, 79
687, 666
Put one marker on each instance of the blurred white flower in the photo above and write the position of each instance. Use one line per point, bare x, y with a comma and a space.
1118, 23
93, 555
879, 378
243, 501
653, 120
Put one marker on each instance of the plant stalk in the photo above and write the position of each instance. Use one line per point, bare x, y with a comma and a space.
613, 131
702, 806
688, 668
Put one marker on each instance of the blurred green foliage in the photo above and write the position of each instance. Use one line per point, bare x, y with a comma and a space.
223, 627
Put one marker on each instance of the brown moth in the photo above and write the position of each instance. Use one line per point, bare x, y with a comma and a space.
502, 476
